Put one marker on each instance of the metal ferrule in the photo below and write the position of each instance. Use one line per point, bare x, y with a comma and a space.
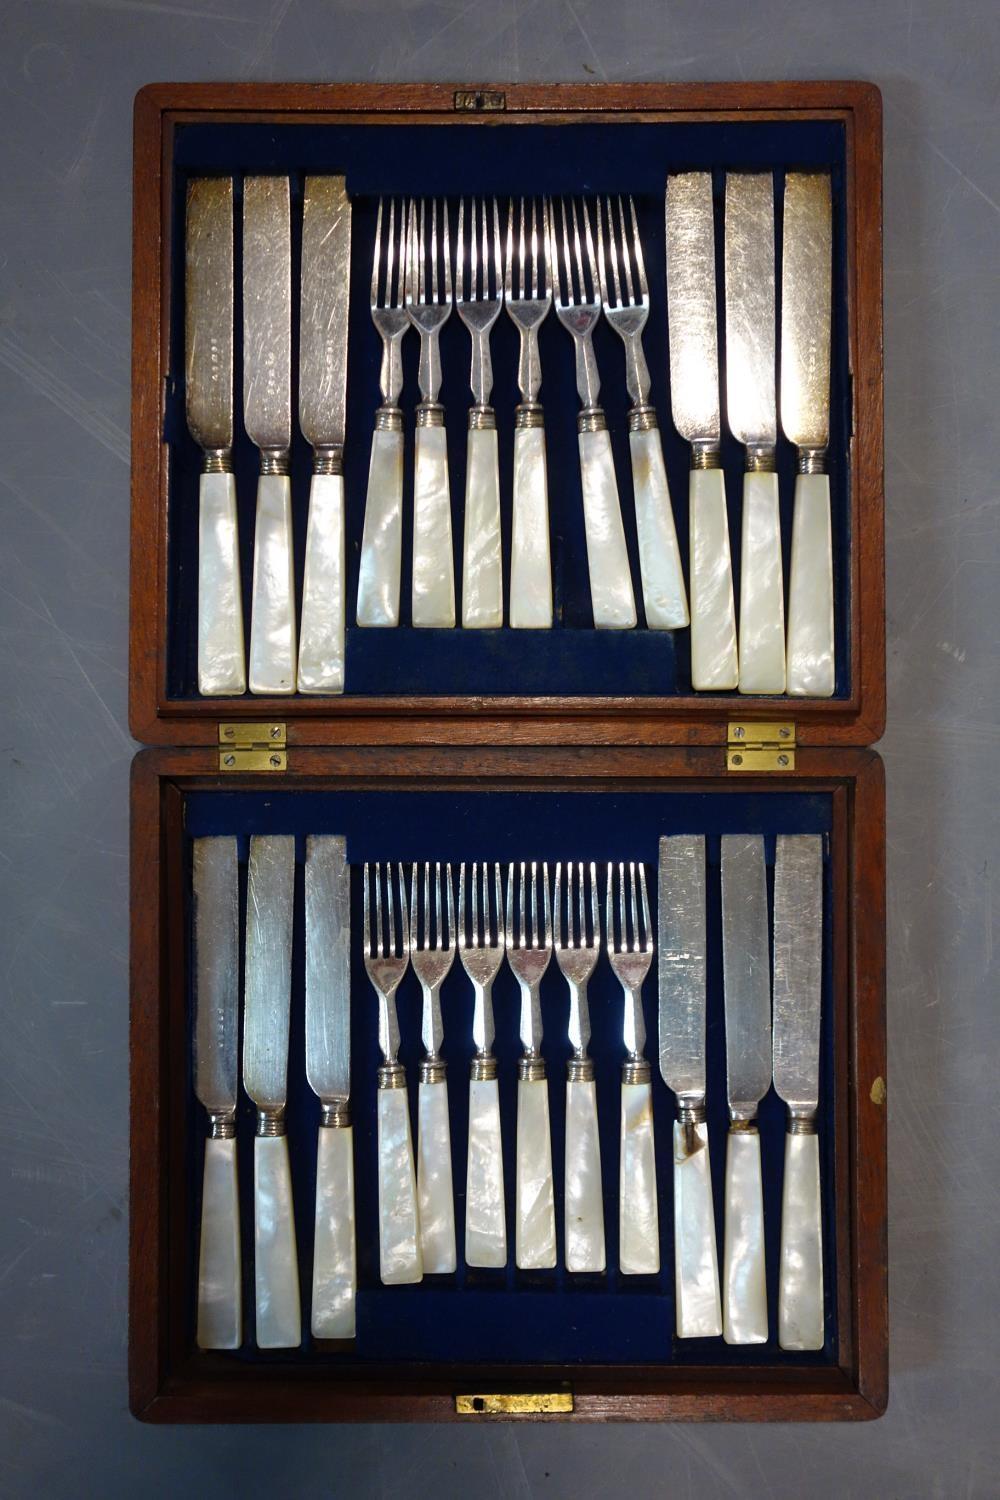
635, 1070
705, 454
483, 1068
812, 460
389, 419
531, 1067
271, 1122
221, 1127
529, 414
482, 419
760, 459
691, 1113
430, 414
592, 419
274, 461
432, 1069
328, 459
743, 1127
801, 1124
391, 1075
217, 461
580, 1069
335, 1115
642, 419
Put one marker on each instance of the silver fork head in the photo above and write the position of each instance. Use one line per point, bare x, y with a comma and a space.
387, 944
479, 285
388, 304
428, 285
629, 943
624, 289
528, 939
528, 284
576, 288
432, 942
577, 920
481, 941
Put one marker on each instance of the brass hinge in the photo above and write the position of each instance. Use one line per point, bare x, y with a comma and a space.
252, 747
480, 101
521, 1405
760, 747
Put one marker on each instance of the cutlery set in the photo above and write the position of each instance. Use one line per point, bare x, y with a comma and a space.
584, 258
522, 914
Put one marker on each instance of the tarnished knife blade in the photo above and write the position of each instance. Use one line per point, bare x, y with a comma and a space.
798, 969
694, 342
208, 311
326, 263
328, 968
806, 309
216, 942
747, 971
270, 897
267, 312
751, 403
681, 923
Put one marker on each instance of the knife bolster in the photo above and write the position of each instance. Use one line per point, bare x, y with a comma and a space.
531, 1068
221, 1127
430, 414
802, 1124
743, 1127
270, 1122
643, 418
483, 1068
433, 1069
760, 459
635, 1070
335, 1115
706, 455
217, 461
812, 460
389, 419
275, 461
689, 1117
328, 459
580, 1069
392, 1075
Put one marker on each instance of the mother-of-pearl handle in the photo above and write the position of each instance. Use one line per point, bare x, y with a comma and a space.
639, 1225
664, 596
272, 614
535, 1214
220, 1300
696, 1260
611, 596
713, 613
482, 564
584, 1195
400, 1258
530, 559
800, 1284
276, 1263
762, 590
321, 636
744, 1284
433, 594
382, 541
810, 591
335, 1275
485, 1217
434, 1190
221, 654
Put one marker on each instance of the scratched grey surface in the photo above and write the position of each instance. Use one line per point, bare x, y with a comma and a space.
69, 71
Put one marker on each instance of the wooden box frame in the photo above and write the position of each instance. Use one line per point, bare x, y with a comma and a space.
510, 741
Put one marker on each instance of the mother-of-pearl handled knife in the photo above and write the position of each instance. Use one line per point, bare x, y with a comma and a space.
208, 339
270, 898
806, 312
328, 1069
326, 285
751, 410
798, 981
747, 972
682, 968
216, 1029
694, 396
267, 407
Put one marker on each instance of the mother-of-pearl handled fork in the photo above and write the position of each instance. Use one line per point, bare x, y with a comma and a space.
529, 948
528, 297
630, 953
267, 406
387, 955
576, 947
577, 294
478, 298
481, 949
382, 540
625, 292
432, 953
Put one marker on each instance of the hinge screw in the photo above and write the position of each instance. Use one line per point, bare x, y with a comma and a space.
737, 760
229, 732
229, 760
275, 761
275, 731
784, 733
782, 760
739, 733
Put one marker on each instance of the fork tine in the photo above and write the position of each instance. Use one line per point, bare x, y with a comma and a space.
622, 943
546, 265
635, 911
595, 264
446, 243
613, 250
508, 274
497, 894
535, 287
648, 929
450, 905
377, 257
497, 253
609, 912
367, 908
460, 246
582, 906
509, 908
595, 910
640, 264
437, 904
560, 925
399, 294
546, 904
390, 946
578, 248
403, 915
434, 250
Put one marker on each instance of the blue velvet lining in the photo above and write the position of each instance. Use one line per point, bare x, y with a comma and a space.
510, 1316
622, 157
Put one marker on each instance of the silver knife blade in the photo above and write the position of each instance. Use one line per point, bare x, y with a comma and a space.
746, 965
215, 882
681, 924
806, 309
751, 399
328, 968
208, 311
693, 329
326, 263
798, 969
267, 312
270, 898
